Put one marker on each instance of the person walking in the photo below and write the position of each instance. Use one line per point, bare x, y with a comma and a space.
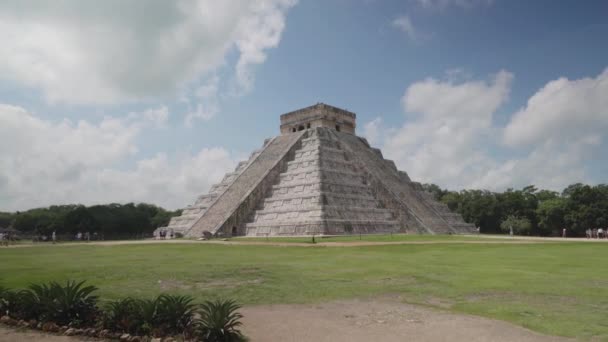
54, 237
564, 232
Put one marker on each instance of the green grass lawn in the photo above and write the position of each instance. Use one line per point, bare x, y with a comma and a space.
554, 288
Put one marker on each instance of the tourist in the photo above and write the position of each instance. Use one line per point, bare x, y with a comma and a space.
588, 233
564, 232
87, 236
1, 239
54, 237
594, 233
600, 233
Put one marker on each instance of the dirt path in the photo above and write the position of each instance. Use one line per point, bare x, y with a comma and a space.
8, 334
378, 320
351, 321
492, 239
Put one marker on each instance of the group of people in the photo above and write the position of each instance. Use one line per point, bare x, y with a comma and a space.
163, 234
5, 239
596, 233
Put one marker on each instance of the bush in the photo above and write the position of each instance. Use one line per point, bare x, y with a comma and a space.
6, 300
121, 315
72, 304
164, 315
219, 322
175, 314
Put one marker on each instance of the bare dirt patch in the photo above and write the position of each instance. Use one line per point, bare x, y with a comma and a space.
8, 334
378, 320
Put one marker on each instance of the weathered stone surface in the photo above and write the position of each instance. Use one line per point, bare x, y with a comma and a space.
319, 181
70, 332
227, 214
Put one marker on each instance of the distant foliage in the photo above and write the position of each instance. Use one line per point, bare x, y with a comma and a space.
576, 208
519, 225
108, 220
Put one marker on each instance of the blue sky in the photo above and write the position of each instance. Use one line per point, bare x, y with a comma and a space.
154, 101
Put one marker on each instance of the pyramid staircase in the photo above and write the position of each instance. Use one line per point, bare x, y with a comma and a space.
322, 191
191, 214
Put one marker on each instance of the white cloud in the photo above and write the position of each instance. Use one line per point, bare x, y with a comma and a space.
257, 33
563, 109
373, 130
404, 24
44, 163
449, 137
206, 102
159, 116
444, 137
101, 52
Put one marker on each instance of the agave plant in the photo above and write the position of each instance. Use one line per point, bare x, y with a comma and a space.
147, 315
72, 304
175, 314
219, 322
122, 315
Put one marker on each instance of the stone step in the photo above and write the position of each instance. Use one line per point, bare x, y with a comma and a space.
326, 227
316, 160
328, 153
364, 201
292, 174
299, 213
312, 187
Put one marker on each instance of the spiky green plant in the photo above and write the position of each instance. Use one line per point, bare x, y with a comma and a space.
219, 321
175, 314
121, 315
72, 304
147, 315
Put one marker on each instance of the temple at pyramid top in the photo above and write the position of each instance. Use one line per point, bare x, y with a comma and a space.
316, 178
319, 115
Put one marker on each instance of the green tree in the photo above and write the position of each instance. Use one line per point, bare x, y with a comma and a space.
520, 225
551, 215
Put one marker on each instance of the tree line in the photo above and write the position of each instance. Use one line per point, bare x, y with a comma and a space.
530, 211
109, 219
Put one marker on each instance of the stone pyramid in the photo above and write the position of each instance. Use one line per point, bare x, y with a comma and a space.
319, 178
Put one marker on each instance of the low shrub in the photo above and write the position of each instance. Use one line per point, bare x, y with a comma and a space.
164, 315
121, 315
70, 304
219, 322
175, 314
75, 305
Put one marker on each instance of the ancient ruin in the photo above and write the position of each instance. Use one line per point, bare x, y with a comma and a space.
319, 178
